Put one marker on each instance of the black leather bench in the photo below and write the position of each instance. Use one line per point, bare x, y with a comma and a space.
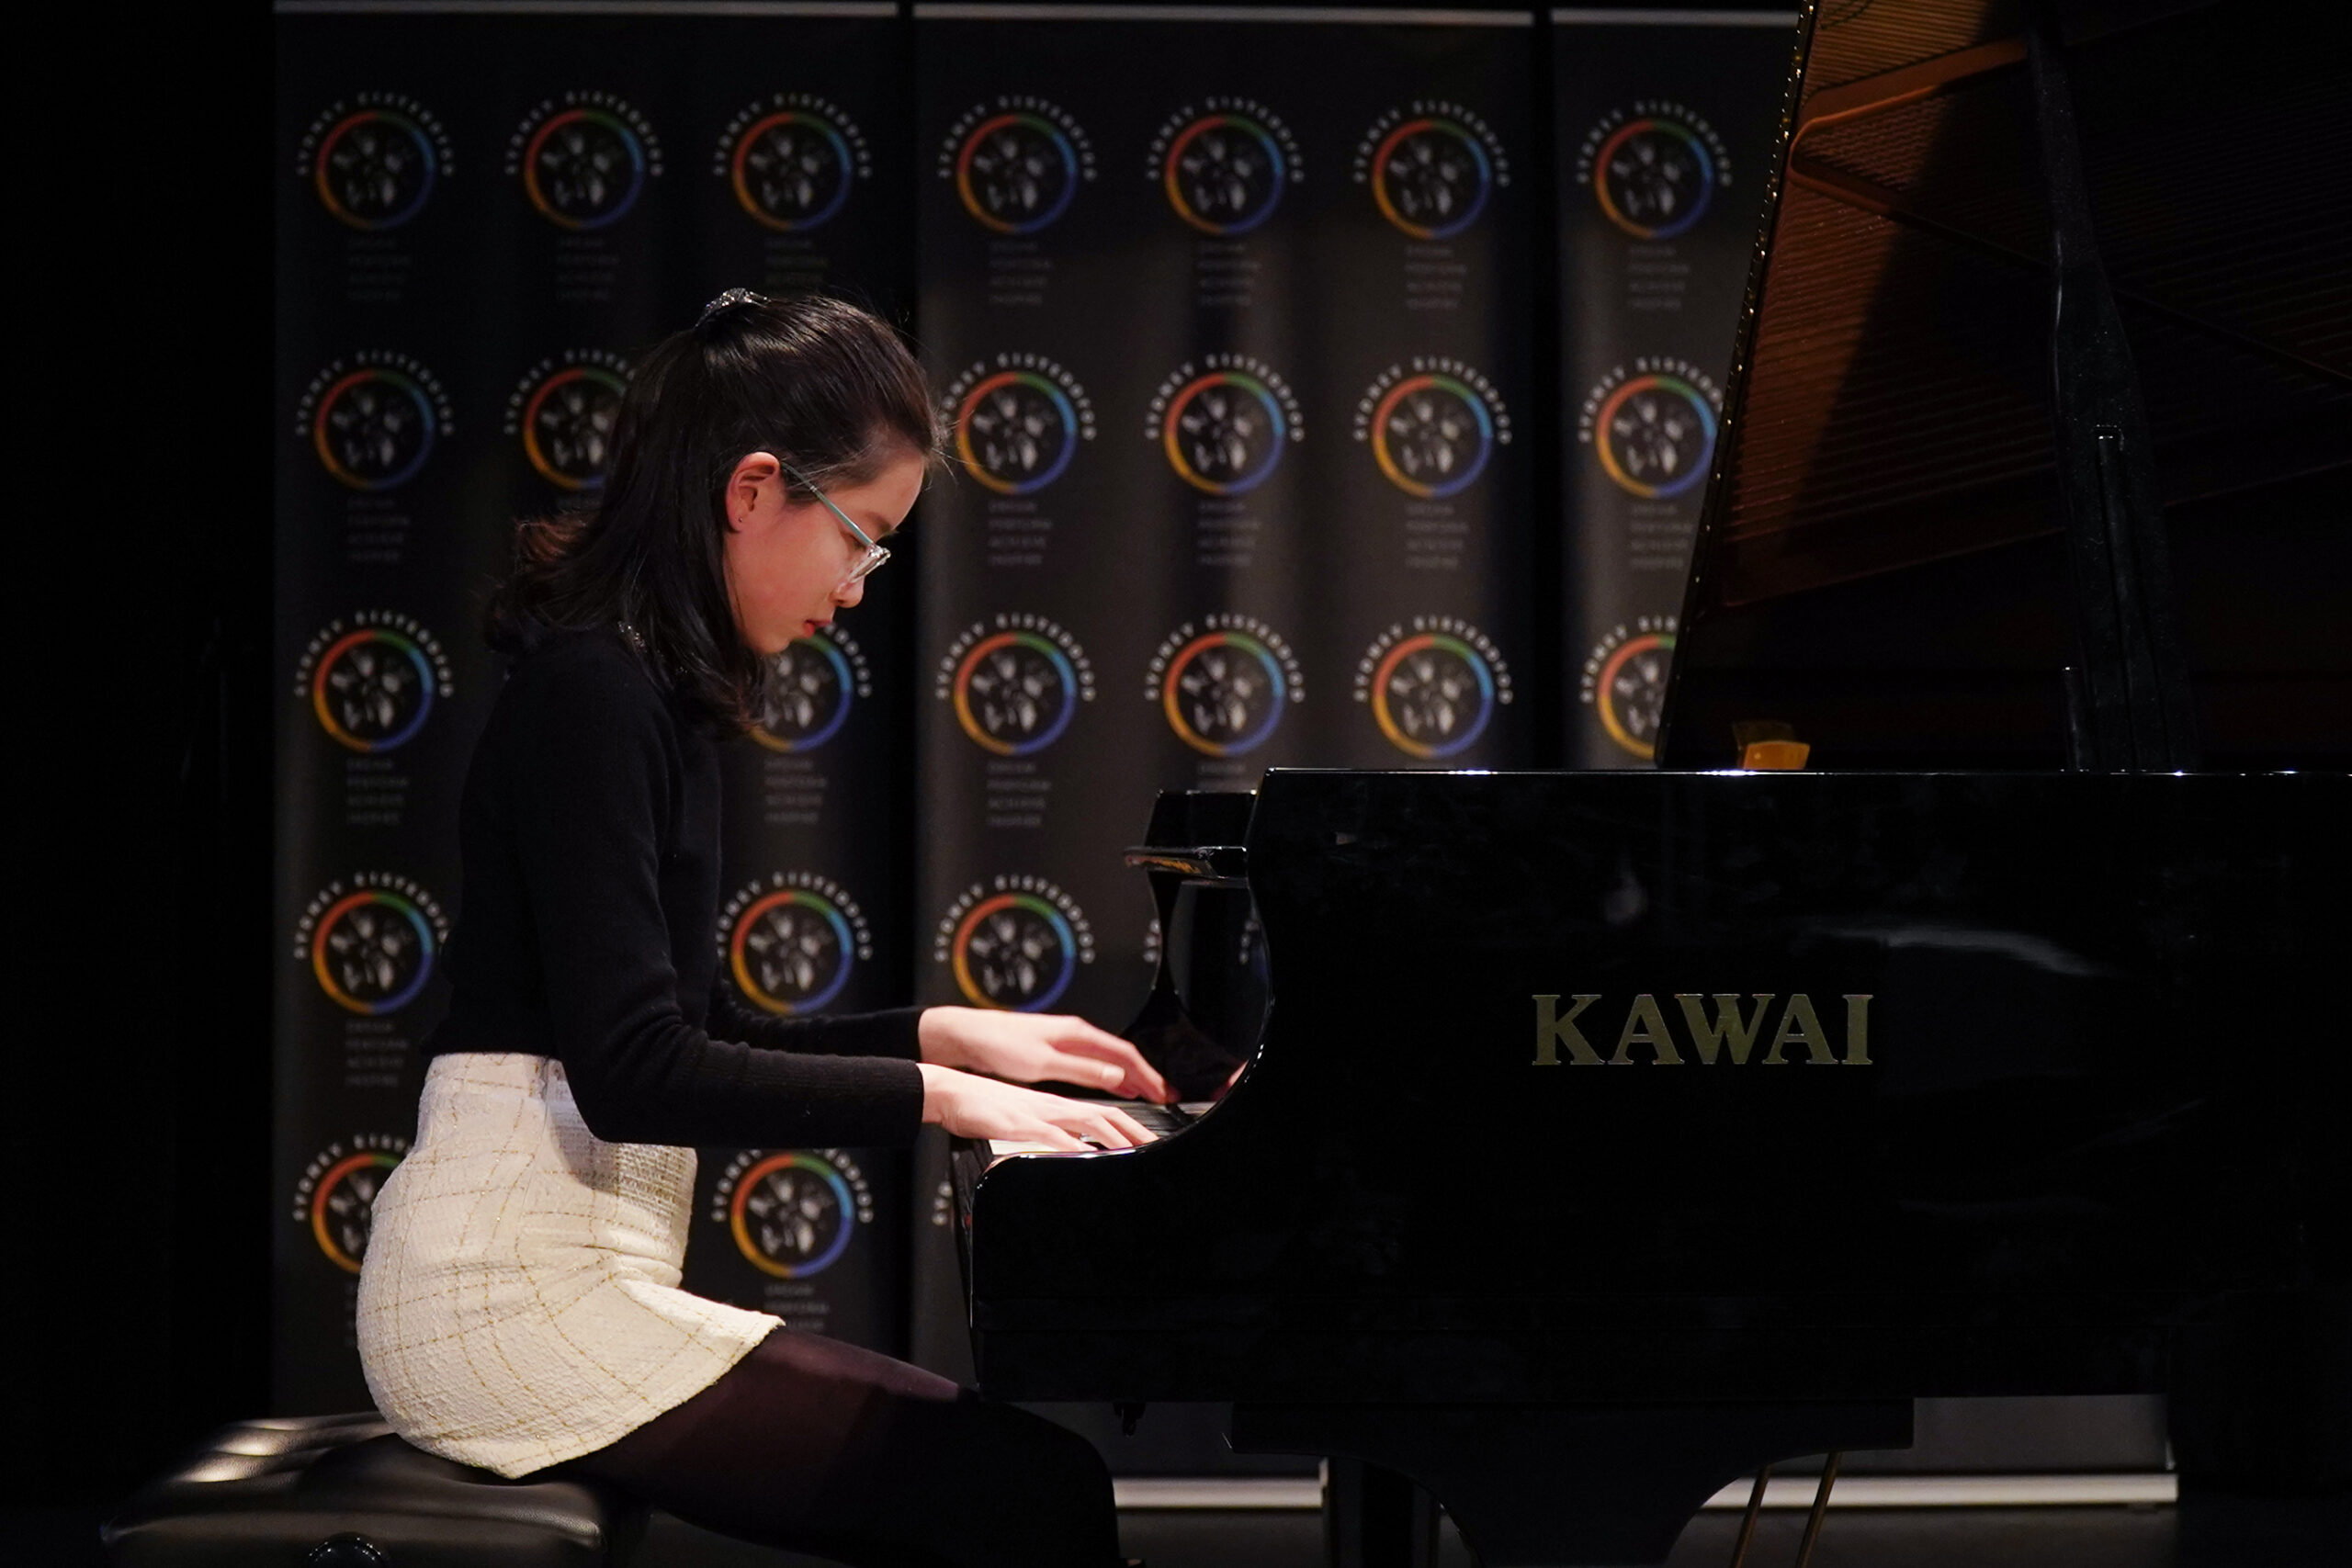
342, 1492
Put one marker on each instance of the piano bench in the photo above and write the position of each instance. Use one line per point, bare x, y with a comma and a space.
342, 1492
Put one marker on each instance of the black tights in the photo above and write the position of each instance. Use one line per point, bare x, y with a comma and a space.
820, 1447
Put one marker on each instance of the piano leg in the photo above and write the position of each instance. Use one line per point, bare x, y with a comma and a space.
1548, 1486
1375, 1517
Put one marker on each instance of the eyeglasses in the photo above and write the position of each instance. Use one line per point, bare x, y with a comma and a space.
875, 554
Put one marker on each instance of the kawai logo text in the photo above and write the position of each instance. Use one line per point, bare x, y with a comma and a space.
1723, 1028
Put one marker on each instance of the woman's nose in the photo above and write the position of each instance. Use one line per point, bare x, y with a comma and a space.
849, 594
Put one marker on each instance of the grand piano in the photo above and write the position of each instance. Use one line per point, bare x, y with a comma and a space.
1601, 1137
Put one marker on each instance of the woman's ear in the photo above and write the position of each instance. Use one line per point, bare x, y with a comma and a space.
753, 472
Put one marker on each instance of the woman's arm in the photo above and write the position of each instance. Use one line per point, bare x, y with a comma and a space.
973, 1107
1021, 1047
1038, 1047
589, 800
955, 1046
890, 1033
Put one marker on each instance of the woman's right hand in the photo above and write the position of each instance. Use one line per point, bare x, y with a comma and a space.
970, 1106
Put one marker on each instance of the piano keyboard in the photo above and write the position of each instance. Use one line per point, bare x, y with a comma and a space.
1160, 1120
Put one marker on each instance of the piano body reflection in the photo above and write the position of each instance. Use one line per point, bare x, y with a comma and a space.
1611, 1134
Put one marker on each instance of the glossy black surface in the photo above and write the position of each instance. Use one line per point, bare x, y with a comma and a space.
1208, 995
1883, 561
2103, 1057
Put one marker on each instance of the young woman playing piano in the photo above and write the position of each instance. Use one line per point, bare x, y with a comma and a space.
519, 1307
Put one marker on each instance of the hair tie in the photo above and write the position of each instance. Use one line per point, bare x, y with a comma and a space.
727, 301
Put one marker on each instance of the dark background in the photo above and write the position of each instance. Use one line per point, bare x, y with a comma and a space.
140, 944
139, 940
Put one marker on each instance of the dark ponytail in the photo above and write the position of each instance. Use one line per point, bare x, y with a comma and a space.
818, 382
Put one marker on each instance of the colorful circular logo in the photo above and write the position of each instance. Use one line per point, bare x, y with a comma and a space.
342, 1206
1654, 178
1629, 692
792, 171
375, 169
792, 1216
1016, 173
1224, 693
374, 429
1014, 950
1224, 173
1017, 431
790, 952
1654, 435
373, 690
372, 952
1432, 435
568, 425
1431, 178
1015, 693
807, 696
583, 169
1433, 695
1224, 432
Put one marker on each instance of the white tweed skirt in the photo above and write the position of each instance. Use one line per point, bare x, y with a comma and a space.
518, 1301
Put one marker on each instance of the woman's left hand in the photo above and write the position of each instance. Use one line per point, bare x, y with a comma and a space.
1027, 1047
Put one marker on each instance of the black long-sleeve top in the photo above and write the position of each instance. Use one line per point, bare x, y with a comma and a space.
589, 830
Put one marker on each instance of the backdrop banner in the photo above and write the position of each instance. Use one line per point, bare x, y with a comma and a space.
482, 218
1664, 129
1233, 370
1234, 341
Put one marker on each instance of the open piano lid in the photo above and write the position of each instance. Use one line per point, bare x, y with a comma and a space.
1880, 562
